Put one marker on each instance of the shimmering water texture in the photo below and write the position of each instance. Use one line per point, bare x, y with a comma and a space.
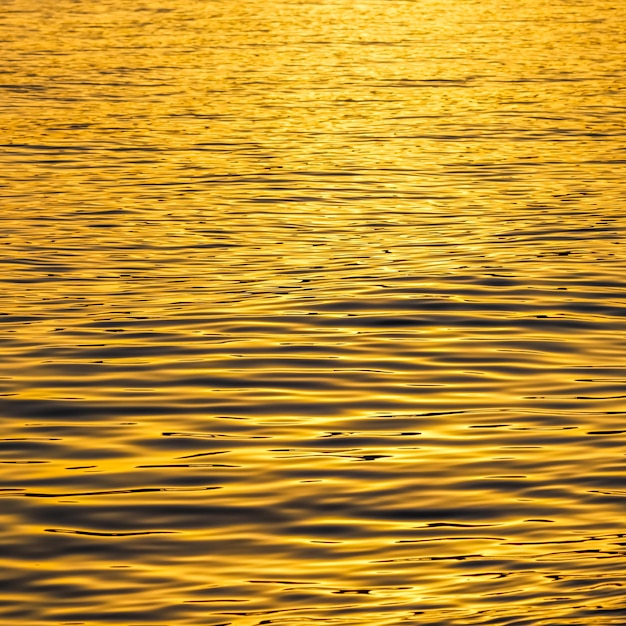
313, 312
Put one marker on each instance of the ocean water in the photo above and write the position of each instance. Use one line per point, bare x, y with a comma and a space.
312, 312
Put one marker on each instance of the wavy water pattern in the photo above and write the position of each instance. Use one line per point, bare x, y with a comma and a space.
313, 312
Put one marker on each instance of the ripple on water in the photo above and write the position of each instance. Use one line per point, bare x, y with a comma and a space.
312, 313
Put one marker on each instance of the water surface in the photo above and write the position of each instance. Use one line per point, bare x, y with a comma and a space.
313, 312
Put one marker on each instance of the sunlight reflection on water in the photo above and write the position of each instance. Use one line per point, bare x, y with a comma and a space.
312, 312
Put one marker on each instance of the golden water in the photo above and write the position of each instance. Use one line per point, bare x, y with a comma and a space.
313, 312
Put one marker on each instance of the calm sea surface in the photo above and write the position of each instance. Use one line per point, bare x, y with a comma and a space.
313, 312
